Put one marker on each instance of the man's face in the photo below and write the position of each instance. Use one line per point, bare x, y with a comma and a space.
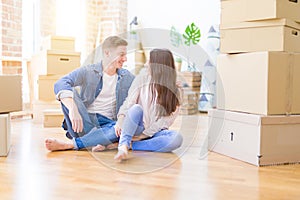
117, 56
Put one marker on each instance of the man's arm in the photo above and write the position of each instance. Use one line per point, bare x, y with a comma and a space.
74, 115
63, 89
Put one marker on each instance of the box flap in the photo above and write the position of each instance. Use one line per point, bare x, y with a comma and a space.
280, 119
262, 23
58, 37
235, 116
50, 77
53, 112
63, 53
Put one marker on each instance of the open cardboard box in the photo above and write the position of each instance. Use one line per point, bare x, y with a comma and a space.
256, 139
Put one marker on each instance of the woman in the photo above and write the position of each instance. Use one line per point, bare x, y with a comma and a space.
150, 109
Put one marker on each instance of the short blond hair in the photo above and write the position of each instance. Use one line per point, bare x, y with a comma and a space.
113, 42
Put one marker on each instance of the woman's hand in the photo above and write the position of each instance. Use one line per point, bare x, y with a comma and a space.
118, 129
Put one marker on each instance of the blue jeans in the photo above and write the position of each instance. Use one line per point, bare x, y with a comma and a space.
90, 120
104, 135
162, 141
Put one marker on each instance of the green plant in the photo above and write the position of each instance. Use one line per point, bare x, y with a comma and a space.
192, 33
191, 36
178, 59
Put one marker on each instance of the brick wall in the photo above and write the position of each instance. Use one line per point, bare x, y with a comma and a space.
11, 36
110, 15
93, 17
47, 17
97, 11
116, 11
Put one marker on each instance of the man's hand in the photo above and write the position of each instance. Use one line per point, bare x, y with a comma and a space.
74, 115
76, 120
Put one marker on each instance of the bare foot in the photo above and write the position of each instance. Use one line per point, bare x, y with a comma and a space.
55, 145
112, 146
122, 153
98, 148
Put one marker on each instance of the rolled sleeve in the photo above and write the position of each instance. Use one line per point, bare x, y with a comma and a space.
64, 94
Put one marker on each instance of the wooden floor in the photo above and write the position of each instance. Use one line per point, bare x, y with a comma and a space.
31, 172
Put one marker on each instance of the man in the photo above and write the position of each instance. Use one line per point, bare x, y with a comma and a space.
103, 87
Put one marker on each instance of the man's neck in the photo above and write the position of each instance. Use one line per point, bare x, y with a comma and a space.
110, 70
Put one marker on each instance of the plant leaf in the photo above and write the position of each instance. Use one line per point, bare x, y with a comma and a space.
192, 34
175, 37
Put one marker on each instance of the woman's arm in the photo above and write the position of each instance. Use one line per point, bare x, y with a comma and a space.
132, 98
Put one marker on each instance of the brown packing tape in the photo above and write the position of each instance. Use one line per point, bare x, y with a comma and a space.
289, 86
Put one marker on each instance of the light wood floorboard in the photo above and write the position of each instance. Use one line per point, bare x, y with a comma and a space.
32, 172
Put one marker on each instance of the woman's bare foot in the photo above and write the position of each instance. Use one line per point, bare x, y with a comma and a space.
122, 153
55, 145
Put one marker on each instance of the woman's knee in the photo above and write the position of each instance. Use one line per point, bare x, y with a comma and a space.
177, 140
135, 110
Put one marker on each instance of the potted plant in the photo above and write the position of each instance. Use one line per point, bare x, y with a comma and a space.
191, 37
178, 63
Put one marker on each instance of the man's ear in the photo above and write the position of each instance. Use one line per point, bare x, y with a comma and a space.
106, 53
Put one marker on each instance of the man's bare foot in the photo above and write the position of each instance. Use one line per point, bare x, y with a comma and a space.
122, 153
112, 146
100, 147
55, 145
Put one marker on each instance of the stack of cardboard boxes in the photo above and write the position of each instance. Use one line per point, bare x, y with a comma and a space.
192, 83
258, 92
10, 101
189, 104
191, 79
56, 58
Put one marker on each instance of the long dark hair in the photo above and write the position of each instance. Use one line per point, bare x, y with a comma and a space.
163, 81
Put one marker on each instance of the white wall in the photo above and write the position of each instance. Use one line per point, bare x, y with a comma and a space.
164, 14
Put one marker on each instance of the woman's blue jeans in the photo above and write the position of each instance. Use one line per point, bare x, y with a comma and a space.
162, 141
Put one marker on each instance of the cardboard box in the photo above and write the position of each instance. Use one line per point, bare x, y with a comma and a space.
4, 134
54, 42
139, 56
255, 139
52, 118
259, 82
249, 10
46, 87
11, 93
269, 35
38, 108
55, 62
